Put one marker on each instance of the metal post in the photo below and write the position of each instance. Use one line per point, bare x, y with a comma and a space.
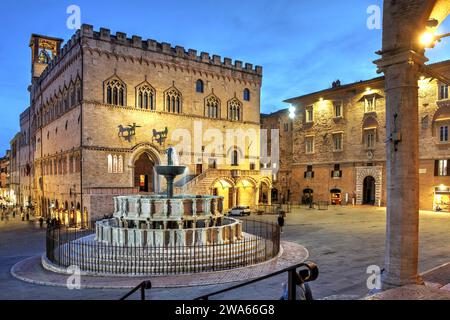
292, 287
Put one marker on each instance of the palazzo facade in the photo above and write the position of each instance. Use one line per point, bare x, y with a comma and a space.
105, 107
336, 144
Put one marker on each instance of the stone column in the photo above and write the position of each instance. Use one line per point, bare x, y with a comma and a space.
269, 196
257, 190
401, 70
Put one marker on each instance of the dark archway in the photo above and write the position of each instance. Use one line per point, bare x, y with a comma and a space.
308, 196
143, 173
369, 190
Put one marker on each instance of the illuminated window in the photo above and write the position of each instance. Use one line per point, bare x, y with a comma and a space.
443, 92
110, 163
441, 168
309, 113
337, 106
309, 145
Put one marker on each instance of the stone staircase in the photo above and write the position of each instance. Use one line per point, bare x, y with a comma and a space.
200, 184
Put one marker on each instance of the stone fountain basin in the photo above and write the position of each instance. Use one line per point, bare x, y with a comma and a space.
170, 170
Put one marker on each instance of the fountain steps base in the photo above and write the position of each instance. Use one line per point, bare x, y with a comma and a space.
140, 262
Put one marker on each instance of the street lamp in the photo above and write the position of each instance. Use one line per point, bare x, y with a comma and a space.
428, 39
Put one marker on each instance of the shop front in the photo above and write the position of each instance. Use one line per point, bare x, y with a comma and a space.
441, 198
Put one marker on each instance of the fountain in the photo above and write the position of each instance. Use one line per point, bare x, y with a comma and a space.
167, 220
170, 171
163, 234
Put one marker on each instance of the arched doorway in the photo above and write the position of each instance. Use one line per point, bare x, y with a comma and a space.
307, 197
369, 190
143, 173
336, 196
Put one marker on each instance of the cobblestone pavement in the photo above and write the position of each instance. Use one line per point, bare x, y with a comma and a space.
342, 241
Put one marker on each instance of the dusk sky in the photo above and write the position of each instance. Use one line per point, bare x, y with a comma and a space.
302, 45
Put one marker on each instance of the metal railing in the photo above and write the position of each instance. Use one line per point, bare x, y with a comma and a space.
273, 208
308, 273
295, 279
67, 246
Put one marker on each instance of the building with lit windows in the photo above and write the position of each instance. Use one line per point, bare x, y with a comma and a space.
338, 142
105, 107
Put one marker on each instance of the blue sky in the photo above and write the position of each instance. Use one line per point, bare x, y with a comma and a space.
303, 45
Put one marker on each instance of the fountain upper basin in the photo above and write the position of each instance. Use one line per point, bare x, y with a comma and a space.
170, 170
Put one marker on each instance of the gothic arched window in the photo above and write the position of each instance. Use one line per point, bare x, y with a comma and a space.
115, 92
212, 107
145, 95
246, 94
234, 110
199, 87
173, 100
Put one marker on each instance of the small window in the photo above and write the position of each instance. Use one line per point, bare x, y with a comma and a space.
309, 145
309, 173
309, 114
443, 134
337, 106
337, 142
443, 92
286, 127
441, 168
246, 94
370, 139
199, 87
235, 158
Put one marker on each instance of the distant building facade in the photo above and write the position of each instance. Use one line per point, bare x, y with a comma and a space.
105, 107
4, 178
338, 144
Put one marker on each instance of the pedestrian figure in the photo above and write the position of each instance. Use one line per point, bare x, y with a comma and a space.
281, 221
28, 216
41, 222
48, 221
22, 216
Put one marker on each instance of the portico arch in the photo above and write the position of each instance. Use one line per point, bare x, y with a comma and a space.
224, 187
246, 191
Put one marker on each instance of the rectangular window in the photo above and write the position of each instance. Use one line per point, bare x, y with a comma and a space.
337, 105
370, 104
337, 142
337, 172
309, 145
370, 139
443, 134
309, 114
443, 92
309, 173
286, 127
441, 168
